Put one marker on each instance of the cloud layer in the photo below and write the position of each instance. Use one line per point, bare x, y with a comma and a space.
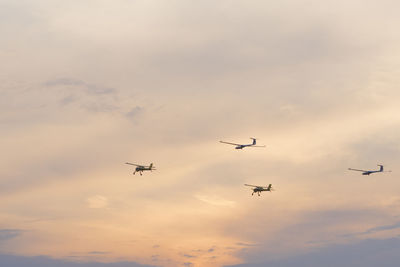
19, 261
89, 85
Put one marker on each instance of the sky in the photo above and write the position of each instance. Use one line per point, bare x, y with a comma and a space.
89, 85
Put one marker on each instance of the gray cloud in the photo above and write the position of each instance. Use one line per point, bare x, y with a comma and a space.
188, 256
6, 234
99, 107
313, 228
383, 228
317, 219
367, 253
64, 81
68, 99
135, 111
74, 83
42, 261
155, 257
246, 244
98, 252
375, 230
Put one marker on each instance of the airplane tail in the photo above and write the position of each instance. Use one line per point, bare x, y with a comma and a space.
381, 168
254, 140
269, 187
151, 166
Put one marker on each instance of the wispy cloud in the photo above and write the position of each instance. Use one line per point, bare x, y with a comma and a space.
98, 252
6, 234
134, 112
215, 200
189, 256
374, 230
21, 261
97, 202
79, 84
370, 253
246, 244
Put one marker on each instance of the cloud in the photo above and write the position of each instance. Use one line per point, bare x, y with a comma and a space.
79, 84
318, 85
134, 112
43, 261
246, 244
68, 99
189, 256
302, 233
368, 253
98, 252
215, 200
376, 229
97, 202
64, 81
155, 257
6, 234
83, 94
383, 228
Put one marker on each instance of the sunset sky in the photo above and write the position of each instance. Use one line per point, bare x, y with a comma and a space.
91, 84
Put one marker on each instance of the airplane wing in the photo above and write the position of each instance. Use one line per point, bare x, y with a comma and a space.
230, 143
251, 185
256, 146
357, 170
134, 164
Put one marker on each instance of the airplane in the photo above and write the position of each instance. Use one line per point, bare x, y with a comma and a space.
258, 189
240, 146
364, 172
141, 168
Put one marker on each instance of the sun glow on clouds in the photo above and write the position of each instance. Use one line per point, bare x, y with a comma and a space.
97, 202
215, 200
146, 81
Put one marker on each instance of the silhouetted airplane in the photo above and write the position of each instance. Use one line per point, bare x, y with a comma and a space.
240, 146
364, 172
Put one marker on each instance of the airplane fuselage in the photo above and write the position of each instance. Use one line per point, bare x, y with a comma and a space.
260, 189
365, 172
141, 168
243, 146
369, 172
